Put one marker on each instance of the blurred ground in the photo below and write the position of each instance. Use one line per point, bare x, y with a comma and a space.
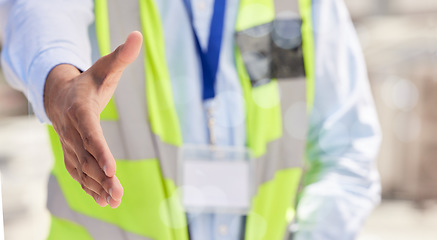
400, 220
25, 162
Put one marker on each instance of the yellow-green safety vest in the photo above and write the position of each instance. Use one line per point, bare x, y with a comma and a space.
141, 125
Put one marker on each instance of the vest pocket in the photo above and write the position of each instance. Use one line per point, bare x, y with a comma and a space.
272, 50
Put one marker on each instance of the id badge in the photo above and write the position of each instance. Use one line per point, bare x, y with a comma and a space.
215, 179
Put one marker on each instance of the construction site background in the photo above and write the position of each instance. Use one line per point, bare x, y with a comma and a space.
399, 40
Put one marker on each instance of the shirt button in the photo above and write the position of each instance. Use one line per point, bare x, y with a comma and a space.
223, 230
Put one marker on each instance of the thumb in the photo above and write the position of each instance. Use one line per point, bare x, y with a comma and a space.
106, 72
127, 52
121, 57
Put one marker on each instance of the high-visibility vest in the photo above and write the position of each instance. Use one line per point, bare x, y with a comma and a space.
141, 126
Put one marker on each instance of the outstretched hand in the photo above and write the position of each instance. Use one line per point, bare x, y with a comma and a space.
73, 102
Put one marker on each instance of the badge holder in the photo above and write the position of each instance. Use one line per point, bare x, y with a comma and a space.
215, 179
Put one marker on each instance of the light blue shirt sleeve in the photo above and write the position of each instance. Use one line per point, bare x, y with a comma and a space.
341, 186
40, 35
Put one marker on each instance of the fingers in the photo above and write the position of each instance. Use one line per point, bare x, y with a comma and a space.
97, 177
88, 126
83, 167
99, 198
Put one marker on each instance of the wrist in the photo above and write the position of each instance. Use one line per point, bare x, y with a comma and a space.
56, 80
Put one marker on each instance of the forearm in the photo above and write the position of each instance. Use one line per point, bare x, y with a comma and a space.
41, 35
341, 185
336, 206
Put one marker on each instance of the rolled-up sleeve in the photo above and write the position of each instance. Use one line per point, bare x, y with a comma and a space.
341, 185
40, 35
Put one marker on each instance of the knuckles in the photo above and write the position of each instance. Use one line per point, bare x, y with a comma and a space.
87, 169
84, 178
85, 165
103, 180
88, 140
102, 192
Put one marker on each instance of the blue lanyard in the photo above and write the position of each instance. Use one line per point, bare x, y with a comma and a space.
210, 58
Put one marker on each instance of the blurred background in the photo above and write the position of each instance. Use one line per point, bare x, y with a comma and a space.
399, 40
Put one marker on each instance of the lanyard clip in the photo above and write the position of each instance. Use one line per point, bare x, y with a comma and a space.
211, 124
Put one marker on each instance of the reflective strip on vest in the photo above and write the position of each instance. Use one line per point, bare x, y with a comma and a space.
142, 130
287, 151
